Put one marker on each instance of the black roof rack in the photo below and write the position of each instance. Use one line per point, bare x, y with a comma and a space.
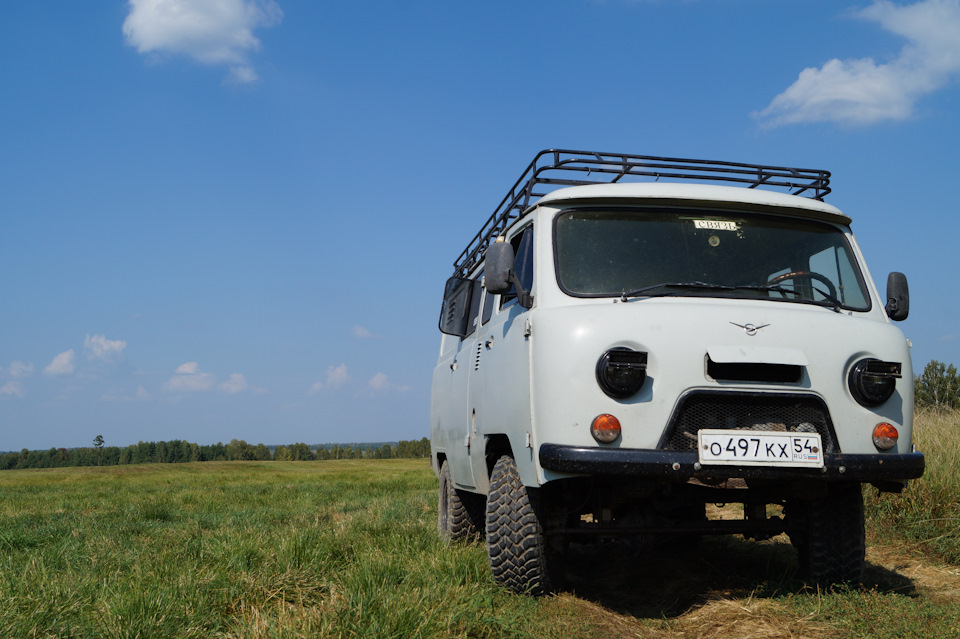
556, 168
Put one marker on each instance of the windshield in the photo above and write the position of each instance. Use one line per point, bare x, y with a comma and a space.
650, 252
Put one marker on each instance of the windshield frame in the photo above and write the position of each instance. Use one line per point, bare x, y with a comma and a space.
676, 289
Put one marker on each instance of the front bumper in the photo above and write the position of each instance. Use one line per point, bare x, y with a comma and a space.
683, 465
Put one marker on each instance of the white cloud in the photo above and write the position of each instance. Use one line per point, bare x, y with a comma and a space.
863, 92
99, 347
380, 382
19, 370
142, 394
236, 384
13, 388
62, 364
244, 74
239, 384
362, 333
212, 32
337, 375
317, 386
188, 368
189, 378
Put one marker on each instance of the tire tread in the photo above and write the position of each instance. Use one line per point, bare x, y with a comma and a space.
516, 546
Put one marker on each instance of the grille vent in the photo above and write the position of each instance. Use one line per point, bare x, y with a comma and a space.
748, 411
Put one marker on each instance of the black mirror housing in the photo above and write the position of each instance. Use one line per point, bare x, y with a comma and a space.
498, 267
898, 297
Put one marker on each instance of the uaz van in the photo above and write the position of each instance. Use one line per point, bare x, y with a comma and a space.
628, 339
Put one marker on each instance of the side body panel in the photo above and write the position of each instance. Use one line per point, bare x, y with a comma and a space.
448, 430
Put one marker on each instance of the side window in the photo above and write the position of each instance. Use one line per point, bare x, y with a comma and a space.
522, 266
836, 266
457, 298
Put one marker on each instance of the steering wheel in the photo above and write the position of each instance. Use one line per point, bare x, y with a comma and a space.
823, 279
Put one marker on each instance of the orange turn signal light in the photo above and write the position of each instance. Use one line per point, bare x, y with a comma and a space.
605, 428
885, 436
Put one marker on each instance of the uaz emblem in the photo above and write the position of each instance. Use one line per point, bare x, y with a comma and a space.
750, 329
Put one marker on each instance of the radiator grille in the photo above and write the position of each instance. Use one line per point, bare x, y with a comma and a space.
748, 411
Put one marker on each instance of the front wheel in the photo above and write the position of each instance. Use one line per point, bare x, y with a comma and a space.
828, 533
516, 541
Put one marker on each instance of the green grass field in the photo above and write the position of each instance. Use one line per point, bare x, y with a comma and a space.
349, 549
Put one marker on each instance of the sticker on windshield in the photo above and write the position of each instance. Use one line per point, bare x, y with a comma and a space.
716, 225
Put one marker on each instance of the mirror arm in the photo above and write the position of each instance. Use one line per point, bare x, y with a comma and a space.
524, 297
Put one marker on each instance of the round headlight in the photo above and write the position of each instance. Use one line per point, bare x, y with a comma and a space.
872, 381
621, 372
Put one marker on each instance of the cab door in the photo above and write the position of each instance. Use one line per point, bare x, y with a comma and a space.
499, 389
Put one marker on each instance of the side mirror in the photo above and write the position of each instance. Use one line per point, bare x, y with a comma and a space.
898, 297
498, 267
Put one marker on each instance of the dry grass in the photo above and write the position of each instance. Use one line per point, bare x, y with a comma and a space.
926, 517
938, 581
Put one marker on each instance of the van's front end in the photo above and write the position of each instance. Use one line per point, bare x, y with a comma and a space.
716, 308
696, 344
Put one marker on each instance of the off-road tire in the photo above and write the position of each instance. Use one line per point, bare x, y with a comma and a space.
828, 534
516, 542
459, 513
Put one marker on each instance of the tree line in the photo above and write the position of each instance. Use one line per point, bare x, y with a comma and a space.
938, 386
178, 451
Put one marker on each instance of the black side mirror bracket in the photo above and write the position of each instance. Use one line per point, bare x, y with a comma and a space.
500, 275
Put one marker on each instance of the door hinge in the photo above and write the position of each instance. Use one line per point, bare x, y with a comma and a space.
527, 328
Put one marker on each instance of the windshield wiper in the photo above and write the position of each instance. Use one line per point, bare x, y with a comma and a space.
640, 291
776, 288
834, 302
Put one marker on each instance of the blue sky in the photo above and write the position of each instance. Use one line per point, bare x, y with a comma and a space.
233, 219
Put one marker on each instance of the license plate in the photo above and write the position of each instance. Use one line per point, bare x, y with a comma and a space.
760, 448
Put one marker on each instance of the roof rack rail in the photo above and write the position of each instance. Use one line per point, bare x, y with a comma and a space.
556, 168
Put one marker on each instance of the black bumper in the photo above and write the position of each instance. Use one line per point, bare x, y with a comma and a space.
682, 465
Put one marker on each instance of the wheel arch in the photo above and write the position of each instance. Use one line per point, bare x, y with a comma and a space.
497, 446
438, 458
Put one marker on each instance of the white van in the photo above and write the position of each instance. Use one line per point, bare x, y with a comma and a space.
630, 338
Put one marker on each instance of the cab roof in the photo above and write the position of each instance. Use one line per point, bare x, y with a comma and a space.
695, 195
